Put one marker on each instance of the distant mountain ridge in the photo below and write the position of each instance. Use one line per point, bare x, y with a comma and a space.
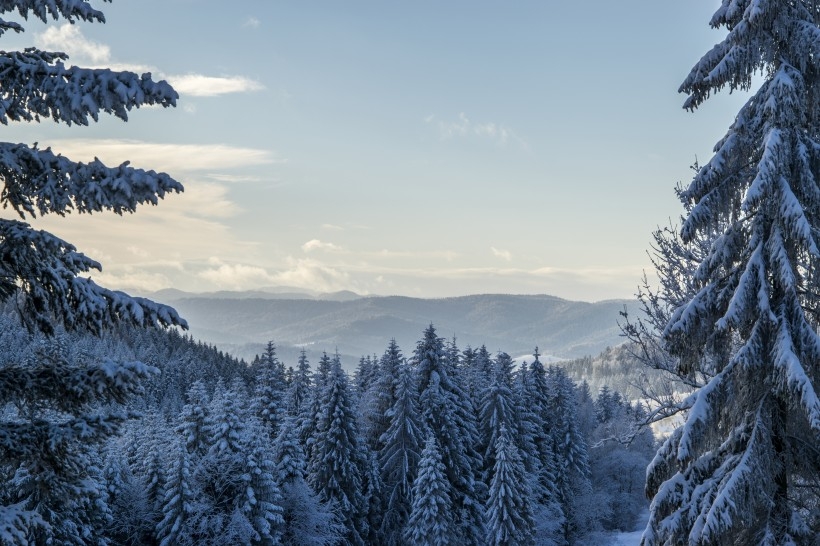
241, 322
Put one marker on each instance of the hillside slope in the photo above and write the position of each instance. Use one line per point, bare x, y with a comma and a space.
359, 326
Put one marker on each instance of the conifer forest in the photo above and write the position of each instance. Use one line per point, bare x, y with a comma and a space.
119, 428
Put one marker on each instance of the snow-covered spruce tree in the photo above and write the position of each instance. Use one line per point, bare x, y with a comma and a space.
448, 414
194, 420
53, 489
299, 391
543, 463
337, 460
269, 390
307, 521
44, 274
381, 396
179, 510
42, 271
570, 450
497, 410
126, 499
240, 496
744, 467
431, 517
509, 509
400, 456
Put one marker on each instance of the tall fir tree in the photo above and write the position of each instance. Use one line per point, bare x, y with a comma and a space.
448, 414
738, 471
269, 390
46, 278
337, 460
179, 511
497, 410
570, 451
194, 418
509, 506
399, 457
431, 521
536, 417
380, 397
306, 520
299, 389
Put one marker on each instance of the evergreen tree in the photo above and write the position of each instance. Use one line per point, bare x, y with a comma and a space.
195, 415
509, 510
269, 392
480, 375
178, 507
365, 375
497, 411
337, 461
307, 521
130, 522
46, 276
448, 414
241, 500
570, 451
400, 456
310, 420
152, 463
54, 489
380, 397
431, 518
738, 470
41, 270
299, 389
288, 454
536, 412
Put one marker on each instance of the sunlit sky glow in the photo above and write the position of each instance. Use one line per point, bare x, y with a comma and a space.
419, 148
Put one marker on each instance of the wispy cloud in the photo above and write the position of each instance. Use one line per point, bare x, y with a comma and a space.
199, 85
251, 22
173, 158
237, 276
465, 127
504, 254
316, 244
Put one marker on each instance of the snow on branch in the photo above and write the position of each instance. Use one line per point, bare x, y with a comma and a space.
792, 377
9, 25
61, 386
47, 440
40, 181
37, 84
71, 10
44, 269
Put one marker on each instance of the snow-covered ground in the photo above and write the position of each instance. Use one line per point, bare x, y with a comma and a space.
627, 539
632, 538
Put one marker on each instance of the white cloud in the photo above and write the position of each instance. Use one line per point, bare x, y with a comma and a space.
132, 278
137, 251
69, 39
173, 158
504, 254
251, 22
237, 276
333, 227
316, 244
311, 274
198, 85
464, 127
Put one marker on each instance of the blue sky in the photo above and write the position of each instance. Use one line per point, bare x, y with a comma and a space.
426, 148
